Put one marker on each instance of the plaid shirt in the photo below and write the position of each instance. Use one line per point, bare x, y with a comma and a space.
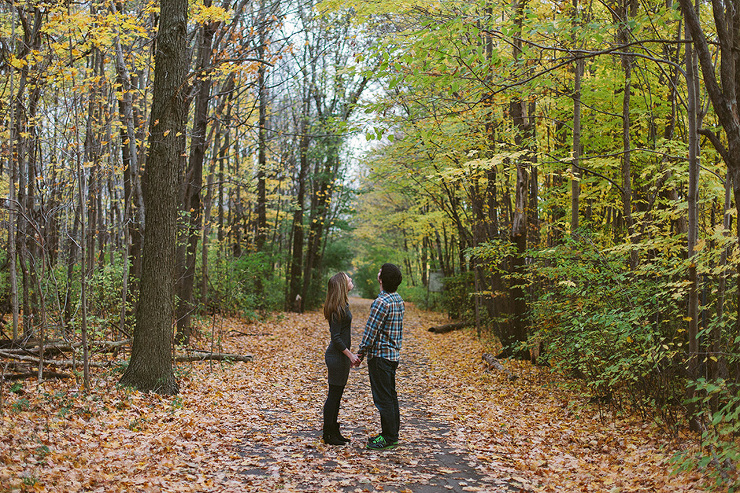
384, 330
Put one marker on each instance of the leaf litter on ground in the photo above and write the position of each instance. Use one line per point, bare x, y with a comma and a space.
256, 426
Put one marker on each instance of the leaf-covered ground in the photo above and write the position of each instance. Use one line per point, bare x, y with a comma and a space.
256, 426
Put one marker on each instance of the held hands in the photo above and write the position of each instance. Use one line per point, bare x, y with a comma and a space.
360, 357
354, 360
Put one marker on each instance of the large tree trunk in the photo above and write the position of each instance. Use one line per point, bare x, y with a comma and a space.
723, 95
516, 331
150, 367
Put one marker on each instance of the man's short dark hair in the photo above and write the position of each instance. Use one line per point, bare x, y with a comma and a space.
390, 275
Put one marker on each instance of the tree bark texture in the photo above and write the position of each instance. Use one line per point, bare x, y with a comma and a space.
150, 367
516, 331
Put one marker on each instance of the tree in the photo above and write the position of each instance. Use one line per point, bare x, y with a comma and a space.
150, 367
722, 88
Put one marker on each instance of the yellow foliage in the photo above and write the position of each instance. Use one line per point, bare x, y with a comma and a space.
204, 15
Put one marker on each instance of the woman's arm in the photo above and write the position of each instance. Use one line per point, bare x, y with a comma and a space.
353, 359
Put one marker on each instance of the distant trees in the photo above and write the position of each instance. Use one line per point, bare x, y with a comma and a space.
251, 135
554, 158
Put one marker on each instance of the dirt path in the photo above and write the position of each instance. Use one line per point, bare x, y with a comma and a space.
256, 426
428, 458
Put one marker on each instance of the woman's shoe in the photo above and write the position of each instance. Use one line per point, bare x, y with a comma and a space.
339, 434
330, 436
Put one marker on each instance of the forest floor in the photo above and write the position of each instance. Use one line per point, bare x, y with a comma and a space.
256, 426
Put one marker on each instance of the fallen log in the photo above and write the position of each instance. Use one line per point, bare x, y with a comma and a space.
206, 356
251, 334
492, 363
52, 362
55, 348
442, 329
196, 356
35, 374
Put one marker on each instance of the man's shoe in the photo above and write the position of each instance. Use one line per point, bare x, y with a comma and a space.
380, 443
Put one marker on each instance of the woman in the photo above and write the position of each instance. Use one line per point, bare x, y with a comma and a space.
338, 357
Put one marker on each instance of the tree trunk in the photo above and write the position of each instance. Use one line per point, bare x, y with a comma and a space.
296, 263
722, 92
261, 204
193, 185
82, 198
624, 35
319, 200
133, 207
575, 183
13, 209
517, 328
150, 367
693, 224
204, 242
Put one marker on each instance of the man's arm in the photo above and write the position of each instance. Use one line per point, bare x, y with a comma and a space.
378, 313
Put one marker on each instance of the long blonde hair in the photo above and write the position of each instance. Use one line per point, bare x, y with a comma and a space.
336, 296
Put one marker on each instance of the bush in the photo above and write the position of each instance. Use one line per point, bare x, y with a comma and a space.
245, 284
457, 299
620, 330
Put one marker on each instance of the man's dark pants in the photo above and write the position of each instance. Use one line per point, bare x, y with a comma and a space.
383, 384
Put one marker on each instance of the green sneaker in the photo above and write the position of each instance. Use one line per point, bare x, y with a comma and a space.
380, 443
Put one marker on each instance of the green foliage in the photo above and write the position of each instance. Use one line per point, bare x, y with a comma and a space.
29, 481
719, 451
21, 405
624, 332
420, 296
245, 284
619, 330
104, 300
369, 256
365, 278
457, 300
337, 257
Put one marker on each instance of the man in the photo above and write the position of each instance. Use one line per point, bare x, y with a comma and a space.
381, 342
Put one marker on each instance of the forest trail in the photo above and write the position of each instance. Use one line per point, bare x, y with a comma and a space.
256, 426
428, 458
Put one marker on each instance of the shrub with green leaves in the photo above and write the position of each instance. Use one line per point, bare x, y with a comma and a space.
618, 329
457, 299
245, 284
